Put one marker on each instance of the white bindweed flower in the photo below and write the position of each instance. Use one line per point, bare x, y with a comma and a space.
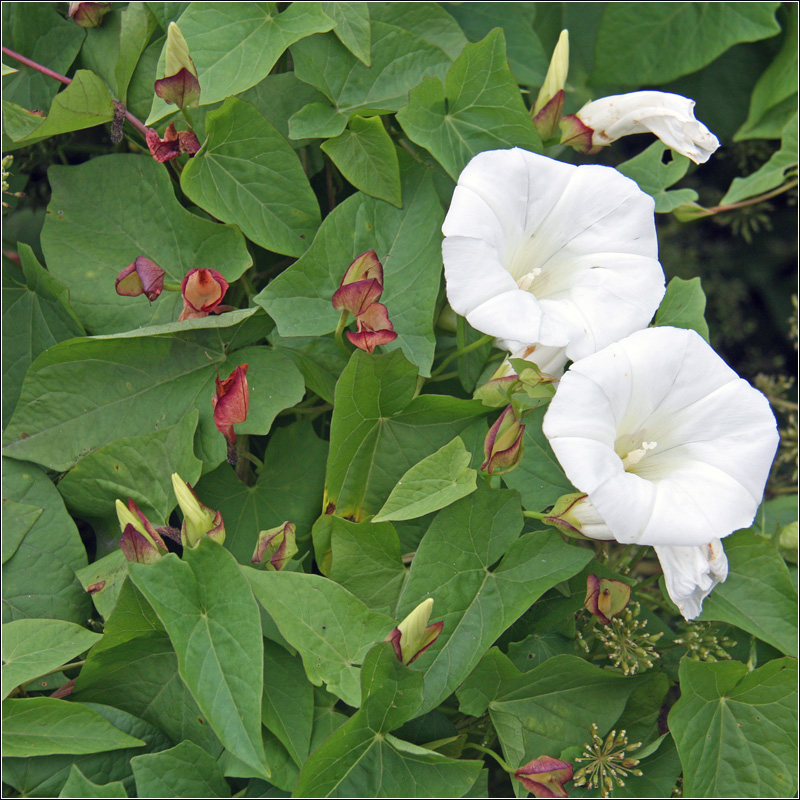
671, 447
669, 116
541, 252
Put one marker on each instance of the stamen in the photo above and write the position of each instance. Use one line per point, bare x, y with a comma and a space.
635, 456
526, 281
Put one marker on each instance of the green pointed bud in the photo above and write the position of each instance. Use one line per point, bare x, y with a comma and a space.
177, 54
180, 84
413, 636
575, 516
546, 111
198, 520
127, 517
275, 547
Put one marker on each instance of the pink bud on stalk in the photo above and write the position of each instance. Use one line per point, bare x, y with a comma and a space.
373, 328
413, 636
503, 446
88, 15
179, 84
143, 276
231, 403
361, 285
545, 776
202, 290
275, 547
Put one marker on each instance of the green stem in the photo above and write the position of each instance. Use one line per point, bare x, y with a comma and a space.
534, 515
188, 117
462, 352
491, 753
171, 287
247, 285
445, 377
339, 328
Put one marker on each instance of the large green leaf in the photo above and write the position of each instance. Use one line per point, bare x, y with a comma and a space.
408, 43
781, 165
247, 174
39, 32
104, 214
778, 83
287, 706
684, 306
549, 708
352, 27
235, 45
331, 629
288, 488
408, 243
539, 478
365, 154
657, 42
435, 482
455, 565
44, 776
209, 612
63, 414
477, 108
758, 595
184, 771
139, 468
33, 647
39, 577
36, 315
86, 102
655, 177
361, 759
736, 731
78, 785
112, 50
378, 432
42, 726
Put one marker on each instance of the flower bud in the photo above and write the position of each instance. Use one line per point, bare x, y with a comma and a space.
88, 15
546, 112
503, 446
413, 636
174, 143
373, 327
143, 276
275, 547
202, 290
575, 516
140, 541
231, 402
669, 116
362, 284
605, 598
545, 776
198, 520
496, 392
179, 84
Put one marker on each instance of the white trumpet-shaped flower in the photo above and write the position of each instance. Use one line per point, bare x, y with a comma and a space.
541, 252
669, 116
671, 447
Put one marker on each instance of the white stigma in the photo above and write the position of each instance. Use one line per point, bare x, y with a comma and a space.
526, 281
635, 456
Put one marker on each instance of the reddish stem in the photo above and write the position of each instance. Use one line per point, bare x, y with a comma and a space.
64, 79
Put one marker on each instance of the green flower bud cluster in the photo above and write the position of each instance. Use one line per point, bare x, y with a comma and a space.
608, 762
628, 646
703, 644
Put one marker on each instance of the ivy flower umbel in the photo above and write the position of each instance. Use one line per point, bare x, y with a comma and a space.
671, 448
541, 252
608, 762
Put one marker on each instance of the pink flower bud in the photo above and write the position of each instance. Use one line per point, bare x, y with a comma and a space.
605, 598
179, 84
361, 284
231, 402
275, 547
413, 636
373, 328
88, 15
545, 776
202, 290
174, 143
140, 541
503, 445
143, 276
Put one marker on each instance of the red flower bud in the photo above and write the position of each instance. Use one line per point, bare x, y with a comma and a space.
361, 284
275, 547
143, 276
202, 290
373, 328
88, 15
231, 402
173, 144
545, 776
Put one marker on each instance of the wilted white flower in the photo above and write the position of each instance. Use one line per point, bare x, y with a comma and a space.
668, 116
541, 252
671, 447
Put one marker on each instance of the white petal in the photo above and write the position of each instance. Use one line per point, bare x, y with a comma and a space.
515, 315
550, 360
690, 573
